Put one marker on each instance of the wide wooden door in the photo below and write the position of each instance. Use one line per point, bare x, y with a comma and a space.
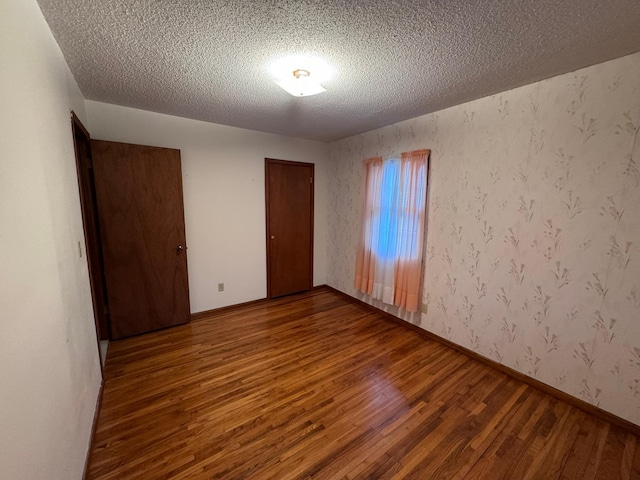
140, 207
289, 201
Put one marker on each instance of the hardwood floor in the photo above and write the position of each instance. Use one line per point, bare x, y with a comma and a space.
314, 386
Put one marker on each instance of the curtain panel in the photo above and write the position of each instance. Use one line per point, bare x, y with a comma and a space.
390, 247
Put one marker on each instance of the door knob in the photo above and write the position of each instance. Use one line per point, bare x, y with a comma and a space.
273, 237
180, 249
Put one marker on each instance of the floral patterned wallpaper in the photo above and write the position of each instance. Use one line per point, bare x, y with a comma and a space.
533, 244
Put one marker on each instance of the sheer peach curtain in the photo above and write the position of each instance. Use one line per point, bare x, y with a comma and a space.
389, 255
365, 259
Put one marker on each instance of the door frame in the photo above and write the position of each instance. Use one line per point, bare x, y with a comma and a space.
272, 161
92, 240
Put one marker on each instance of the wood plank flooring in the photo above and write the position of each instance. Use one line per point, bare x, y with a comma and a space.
315, 386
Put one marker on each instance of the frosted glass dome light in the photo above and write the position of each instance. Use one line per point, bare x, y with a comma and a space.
300, 84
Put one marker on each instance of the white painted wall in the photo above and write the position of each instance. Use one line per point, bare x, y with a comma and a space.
223, 181
49, 366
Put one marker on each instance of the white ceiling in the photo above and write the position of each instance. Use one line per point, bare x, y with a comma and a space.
393, 59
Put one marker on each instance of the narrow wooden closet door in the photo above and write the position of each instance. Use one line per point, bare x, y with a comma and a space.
289, 199
140, 206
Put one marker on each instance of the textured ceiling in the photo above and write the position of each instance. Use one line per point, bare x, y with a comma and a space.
393, 60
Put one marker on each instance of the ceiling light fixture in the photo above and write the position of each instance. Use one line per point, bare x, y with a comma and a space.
300, 84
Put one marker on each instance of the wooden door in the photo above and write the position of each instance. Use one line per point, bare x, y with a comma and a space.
140, 206
289, 202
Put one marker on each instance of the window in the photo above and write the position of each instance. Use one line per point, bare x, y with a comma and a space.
389, 258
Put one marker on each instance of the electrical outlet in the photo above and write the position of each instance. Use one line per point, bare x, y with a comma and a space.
221, 287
